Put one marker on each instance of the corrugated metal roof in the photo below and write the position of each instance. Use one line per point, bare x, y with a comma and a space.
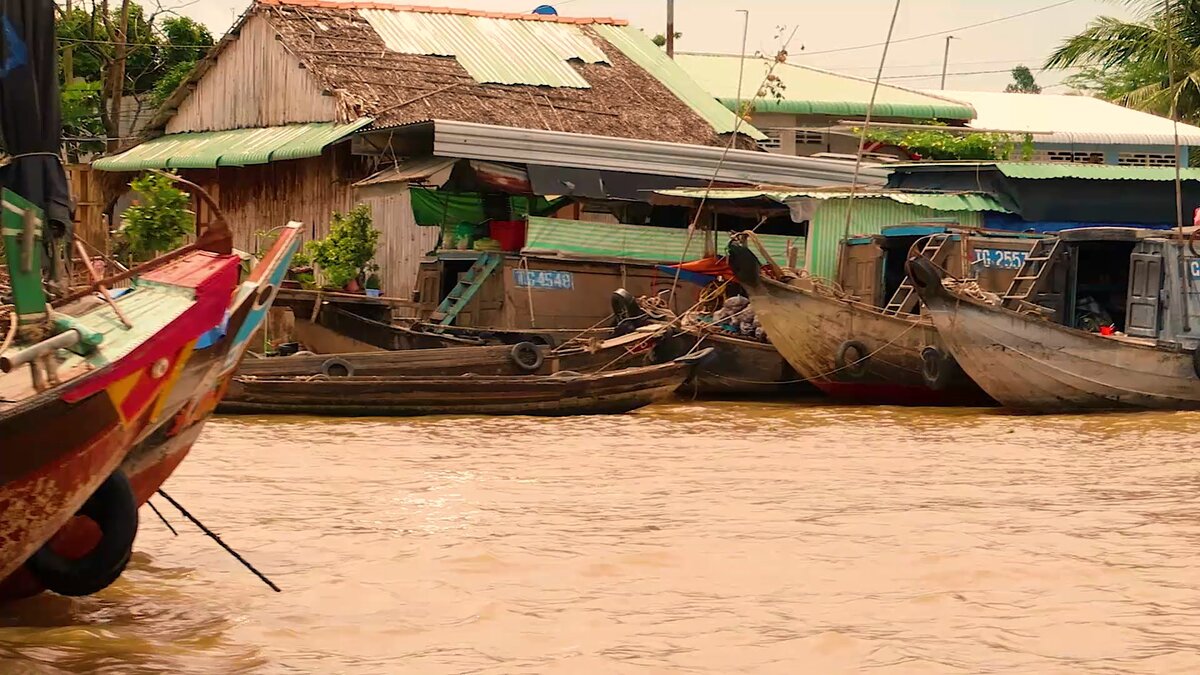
966, 201
488, 48
236, 147
642, 51
810, 91
418, 169
1051, 170
555, 148
642, 243
1072, 119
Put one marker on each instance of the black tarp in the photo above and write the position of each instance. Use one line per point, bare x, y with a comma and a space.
596, 184
30, 114
1135, 202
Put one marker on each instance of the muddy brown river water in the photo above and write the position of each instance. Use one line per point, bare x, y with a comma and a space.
686, 538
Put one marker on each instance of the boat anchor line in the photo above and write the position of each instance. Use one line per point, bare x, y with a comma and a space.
215, 537
161, 517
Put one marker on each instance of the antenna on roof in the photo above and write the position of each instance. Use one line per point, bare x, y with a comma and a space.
1169, 8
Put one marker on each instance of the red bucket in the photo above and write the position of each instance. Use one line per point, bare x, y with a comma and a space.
510, 234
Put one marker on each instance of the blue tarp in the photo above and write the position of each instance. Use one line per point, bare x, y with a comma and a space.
1013, 223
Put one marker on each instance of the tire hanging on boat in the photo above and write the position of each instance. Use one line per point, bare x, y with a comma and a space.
336, 367
1196, 361
113, 507
853, 367
937, 369
527, 357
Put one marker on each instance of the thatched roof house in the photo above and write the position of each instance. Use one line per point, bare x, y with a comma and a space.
304, 99
331, 61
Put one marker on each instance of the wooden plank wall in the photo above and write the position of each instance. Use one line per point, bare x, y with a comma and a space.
90, 225
402, 242
260, 198
256, 83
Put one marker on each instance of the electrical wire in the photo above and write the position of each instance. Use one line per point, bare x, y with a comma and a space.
947, 31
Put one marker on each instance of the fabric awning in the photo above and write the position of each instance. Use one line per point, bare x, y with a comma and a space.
234, 147
426, 170
598, 184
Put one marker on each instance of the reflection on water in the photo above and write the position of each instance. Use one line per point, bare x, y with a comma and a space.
703, 538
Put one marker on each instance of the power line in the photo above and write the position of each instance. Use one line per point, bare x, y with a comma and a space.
945, 32
933, 75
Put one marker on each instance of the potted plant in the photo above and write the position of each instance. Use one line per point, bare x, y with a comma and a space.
343, 255
373, 288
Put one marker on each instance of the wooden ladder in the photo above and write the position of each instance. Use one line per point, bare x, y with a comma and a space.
1031, 278
466, 288
905, 299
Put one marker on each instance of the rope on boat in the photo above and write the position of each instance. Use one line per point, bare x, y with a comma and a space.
161, 517
12, 328
213, 535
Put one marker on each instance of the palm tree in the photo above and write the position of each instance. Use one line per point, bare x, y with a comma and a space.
1136, 53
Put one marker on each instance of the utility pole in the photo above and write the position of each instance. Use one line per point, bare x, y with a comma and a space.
670, 29
946, 60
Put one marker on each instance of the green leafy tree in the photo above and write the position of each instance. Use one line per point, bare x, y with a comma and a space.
1129, 59
160, 220
1023, 82
158, 55
346, 252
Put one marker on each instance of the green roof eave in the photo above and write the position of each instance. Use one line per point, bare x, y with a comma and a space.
233, 147
857, 109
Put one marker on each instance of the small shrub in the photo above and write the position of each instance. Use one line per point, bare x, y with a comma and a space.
160, 220
345, 252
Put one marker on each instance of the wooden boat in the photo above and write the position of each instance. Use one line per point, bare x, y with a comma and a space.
739, 367
562, 394
853, 344
77, 413
1029, 348
184, 409
520, 359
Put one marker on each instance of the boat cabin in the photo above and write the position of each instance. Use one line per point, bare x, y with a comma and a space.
873, 267
1133, 281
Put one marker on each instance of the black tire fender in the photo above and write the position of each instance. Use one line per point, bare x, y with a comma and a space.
527, 357
113, 507
853, 367
336, 367
937, 369
1196, 361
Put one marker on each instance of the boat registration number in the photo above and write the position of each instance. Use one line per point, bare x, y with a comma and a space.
1194, 268
562, 281
994, 257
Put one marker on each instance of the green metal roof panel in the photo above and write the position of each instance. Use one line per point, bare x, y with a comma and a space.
641, 243
485, 46
235, 147
962, 201
634, 44
809, 91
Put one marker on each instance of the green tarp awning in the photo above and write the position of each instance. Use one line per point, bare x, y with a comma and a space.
234, 147
635, 243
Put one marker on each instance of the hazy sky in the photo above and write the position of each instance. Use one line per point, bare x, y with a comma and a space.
715, 26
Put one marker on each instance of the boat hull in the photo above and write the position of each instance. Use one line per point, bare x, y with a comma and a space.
809, 329
1029, 364
609, 393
